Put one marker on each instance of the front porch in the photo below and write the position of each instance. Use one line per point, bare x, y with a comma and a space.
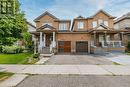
107, 41
45, 42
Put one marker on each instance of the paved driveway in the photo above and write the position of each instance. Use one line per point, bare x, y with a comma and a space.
78, 59
75, 81
122, 59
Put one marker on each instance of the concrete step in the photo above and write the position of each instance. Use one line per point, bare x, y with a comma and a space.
46, 55
46, 50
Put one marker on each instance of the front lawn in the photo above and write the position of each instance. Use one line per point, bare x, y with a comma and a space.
5, 75
21, 58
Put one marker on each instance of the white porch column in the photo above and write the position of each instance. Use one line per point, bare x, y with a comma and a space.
41, 44
35, 44
95, 41
44, 42
54, 39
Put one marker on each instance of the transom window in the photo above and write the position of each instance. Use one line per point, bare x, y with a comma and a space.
47, 22
80, 25
62, 26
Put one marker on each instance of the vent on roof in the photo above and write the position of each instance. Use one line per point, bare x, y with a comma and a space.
80, 17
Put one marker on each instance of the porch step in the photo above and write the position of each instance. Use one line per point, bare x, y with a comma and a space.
46, 55
46, 50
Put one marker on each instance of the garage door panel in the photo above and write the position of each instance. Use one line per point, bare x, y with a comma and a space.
82, 46
64, 46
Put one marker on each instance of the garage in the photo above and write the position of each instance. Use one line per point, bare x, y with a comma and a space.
81, 46
64, 46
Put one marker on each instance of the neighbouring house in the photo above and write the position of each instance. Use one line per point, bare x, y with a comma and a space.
95, 34
123, 22
31, 28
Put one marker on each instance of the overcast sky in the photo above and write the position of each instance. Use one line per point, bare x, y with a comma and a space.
69, 9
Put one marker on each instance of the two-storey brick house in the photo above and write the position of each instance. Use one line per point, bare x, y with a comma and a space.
94, 34
123, 22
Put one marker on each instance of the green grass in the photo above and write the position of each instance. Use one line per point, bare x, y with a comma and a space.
4, 75
115, 63
128, 53
21, 58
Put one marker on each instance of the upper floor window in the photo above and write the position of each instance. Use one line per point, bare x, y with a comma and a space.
94, 24
106, 23
100, 21
80, 25
49, 23
62, 26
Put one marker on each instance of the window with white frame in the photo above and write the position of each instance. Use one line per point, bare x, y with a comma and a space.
62, 26
106, 23
100, 21
80, 25
94, 24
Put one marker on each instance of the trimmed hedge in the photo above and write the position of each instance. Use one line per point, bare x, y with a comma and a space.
12, 49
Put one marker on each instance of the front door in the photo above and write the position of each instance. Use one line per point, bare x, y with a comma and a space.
48, 40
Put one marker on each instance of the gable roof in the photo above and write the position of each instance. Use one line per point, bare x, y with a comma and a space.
102, 12
103, 26
45, 13
31, 24
126, 16
45, 26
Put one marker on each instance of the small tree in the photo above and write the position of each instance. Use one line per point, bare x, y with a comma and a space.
27, 37
12, 25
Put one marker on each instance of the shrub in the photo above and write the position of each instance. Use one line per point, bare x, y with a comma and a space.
36, 55
12, 49
0, 49
128, 46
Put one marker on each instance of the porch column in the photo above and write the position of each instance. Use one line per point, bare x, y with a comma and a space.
95, 38
105, 38
41, 44
35, 44
44, 42
122, 38
54, 39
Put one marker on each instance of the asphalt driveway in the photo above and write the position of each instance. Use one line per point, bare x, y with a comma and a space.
78, 59
75, 81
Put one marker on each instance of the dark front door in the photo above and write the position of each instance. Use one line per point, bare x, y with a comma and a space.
48, 39
82, 46
64, 46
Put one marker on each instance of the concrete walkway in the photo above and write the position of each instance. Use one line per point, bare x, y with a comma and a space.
69, 69
42, 61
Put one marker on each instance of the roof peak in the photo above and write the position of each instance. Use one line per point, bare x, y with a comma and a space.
101, 10
45, 13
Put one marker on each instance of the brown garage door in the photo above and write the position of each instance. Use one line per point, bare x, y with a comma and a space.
82, 46
64, 46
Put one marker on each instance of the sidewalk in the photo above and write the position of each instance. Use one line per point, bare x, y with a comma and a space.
69, 69
13, 80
